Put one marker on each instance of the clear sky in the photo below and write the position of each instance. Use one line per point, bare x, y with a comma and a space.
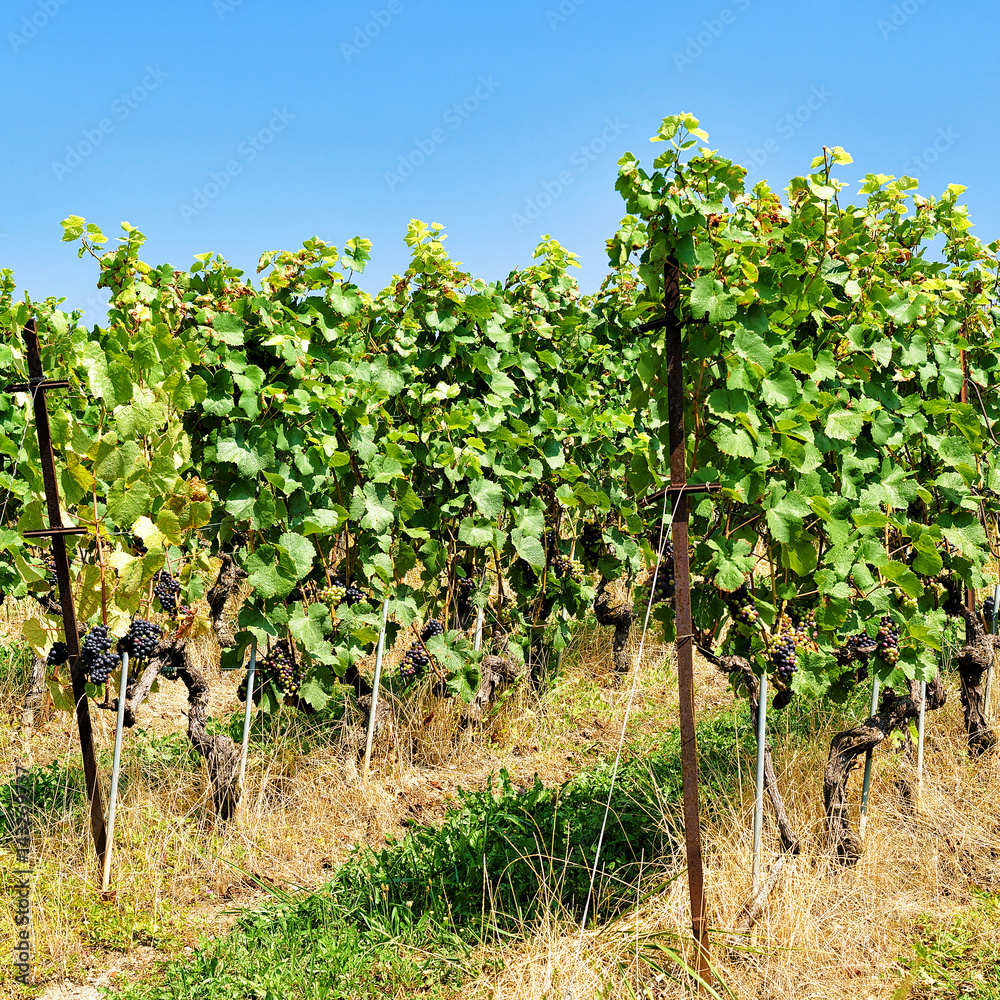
241, 126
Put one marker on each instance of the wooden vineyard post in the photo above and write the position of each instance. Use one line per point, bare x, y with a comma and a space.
679, 488
37, 386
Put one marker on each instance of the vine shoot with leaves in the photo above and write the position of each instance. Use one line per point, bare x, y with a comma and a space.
297, 451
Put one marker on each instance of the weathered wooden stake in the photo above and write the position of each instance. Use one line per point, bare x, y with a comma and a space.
674, 347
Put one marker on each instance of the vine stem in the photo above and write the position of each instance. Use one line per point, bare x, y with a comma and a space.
100, 558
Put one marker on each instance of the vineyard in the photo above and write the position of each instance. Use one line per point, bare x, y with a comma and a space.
443, 520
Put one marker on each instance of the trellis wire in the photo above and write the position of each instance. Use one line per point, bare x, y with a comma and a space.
115, 770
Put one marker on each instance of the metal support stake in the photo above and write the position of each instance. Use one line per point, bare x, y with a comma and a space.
674, 349
251, 670
758, 802
992, 668
868, 768
59, 556
375, 685
478, 642
115, 766
920, 743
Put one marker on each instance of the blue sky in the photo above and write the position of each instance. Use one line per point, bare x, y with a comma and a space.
240, 126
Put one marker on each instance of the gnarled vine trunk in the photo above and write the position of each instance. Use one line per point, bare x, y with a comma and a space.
172, 656
621, 617
499, 671
974, 661
846, 750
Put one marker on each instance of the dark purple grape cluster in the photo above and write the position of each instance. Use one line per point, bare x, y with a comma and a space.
564, 566
432, 628
989, 611
551, 543
50, 565
523, 569
414, 663
58, 654
592, 541
783, 659
96, 657
665, 576
861, 644
141, 640
661, 589
887, 641
166, 589
239, 539
465, 588
279, 665
353, 595
741, 606
138, 546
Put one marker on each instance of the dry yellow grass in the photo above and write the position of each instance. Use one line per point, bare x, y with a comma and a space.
825, 931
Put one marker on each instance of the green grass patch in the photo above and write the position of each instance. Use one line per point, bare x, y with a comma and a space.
54, 793
958, 959
406, 918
